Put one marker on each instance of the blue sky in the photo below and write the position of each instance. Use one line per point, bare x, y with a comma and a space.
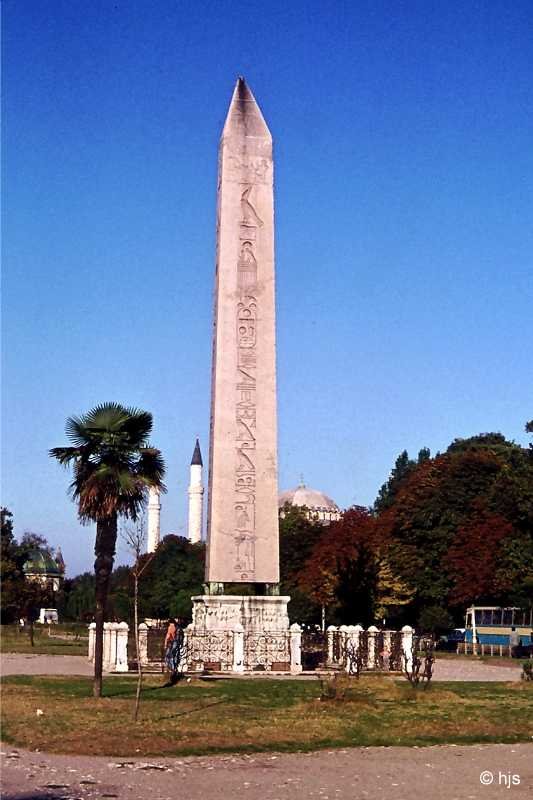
403, 143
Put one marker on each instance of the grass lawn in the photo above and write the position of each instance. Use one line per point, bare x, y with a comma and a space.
207, 716
14, 641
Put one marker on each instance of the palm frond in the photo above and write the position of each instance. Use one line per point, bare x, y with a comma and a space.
138, 425
65, 454
76, 431
113, 463
151, 467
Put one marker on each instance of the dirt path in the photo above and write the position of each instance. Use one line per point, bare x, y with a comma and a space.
442, 773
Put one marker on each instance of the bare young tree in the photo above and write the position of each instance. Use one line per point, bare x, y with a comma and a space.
418, 664
135, 539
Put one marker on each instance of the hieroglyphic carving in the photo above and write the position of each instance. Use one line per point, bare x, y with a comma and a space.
246, 387
247, 268
250, 217
248, 169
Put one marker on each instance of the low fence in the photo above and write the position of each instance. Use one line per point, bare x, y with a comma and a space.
353, 649
346, 648
478, 649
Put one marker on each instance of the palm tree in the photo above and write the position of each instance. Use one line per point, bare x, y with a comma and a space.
114, 466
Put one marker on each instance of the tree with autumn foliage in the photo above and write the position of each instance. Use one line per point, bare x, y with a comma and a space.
473, 557
342, 571
460, 526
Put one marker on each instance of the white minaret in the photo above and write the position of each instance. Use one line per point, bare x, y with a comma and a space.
154, 515
196, 497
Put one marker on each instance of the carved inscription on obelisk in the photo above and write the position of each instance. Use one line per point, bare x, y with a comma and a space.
242, 510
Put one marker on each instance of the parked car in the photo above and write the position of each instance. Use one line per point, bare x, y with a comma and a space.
449, 641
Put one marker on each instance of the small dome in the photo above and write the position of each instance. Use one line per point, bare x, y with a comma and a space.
312, 499
39, 562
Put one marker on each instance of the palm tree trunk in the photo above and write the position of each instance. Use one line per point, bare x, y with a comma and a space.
104, 550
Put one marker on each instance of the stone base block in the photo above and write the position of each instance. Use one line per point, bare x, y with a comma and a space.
256, 614
239, 634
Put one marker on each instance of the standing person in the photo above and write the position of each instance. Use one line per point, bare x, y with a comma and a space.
173, 650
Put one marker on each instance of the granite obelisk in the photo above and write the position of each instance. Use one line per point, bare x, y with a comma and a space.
242, 526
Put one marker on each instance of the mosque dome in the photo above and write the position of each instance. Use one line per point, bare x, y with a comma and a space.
39, 562
319, 505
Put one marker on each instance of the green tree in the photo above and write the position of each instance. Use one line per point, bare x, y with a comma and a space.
11, 575
298, 535
403, 467
20, 596
174, 575
114, 466
79, 597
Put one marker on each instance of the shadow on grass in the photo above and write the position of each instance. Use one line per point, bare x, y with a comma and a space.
190, 711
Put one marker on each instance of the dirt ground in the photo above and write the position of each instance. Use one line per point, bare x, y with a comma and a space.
442, 773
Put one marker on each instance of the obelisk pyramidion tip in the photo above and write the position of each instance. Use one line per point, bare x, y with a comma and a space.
244, 109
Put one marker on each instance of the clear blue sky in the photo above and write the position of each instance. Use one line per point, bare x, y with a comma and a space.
403, 141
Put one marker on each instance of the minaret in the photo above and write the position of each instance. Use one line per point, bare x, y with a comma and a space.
243, 492
196, 496
154, 515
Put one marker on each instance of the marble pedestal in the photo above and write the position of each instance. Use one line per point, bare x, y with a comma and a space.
255, 613
238, 633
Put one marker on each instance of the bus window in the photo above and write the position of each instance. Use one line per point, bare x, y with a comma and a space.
507, 616
497, 617
486, 618
478, 614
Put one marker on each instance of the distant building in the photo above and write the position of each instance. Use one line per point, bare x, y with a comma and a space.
41, 567
318, 505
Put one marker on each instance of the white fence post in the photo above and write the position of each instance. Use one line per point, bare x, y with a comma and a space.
407, 647
238, 649
92, 636
106, 657
352, 646
296, 648
330, 636
348, 647
372, 633
143, 643
122, 631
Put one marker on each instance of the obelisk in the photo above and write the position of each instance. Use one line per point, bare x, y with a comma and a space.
242, 525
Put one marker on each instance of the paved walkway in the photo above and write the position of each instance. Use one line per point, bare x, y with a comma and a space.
376, 773
446, 669
23, 664
463, 669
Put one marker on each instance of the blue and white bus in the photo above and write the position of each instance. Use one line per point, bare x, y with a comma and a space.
492, 625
